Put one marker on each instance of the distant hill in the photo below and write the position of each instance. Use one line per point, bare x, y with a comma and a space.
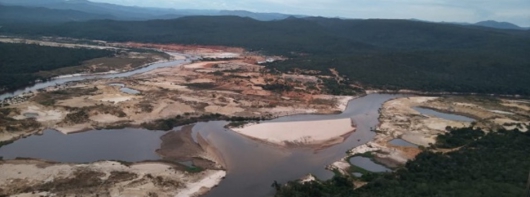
113, 11
17, 14
498, 25
385, 54
257, 16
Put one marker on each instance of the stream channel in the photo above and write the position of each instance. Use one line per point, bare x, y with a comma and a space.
252, 166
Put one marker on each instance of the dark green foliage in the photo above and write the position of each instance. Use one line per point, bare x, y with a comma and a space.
495, 165
458, 137
383, 54
168, 124
338, 186
336, 88
20, 62
479, 71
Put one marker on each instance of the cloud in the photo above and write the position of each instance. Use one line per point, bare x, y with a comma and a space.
515, 11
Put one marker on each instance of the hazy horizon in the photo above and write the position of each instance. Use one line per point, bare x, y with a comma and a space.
472, 11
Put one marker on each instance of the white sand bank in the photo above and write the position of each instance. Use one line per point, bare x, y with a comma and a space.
299, 132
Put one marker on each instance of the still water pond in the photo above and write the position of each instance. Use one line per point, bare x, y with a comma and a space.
368, 164
443, 115
400, 142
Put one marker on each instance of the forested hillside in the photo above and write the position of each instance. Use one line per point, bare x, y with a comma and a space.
495, 165
386, 54
19, 62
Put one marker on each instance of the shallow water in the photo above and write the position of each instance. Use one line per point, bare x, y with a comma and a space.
400, 142
31, 115
124, 144
129, 91
443, 115
252, 166
368, 164
121, 85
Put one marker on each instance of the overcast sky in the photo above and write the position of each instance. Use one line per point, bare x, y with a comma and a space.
514, 11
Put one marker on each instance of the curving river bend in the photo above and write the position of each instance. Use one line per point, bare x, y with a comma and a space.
252, 166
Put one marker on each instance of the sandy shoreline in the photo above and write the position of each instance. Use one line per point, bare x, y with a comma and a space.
138, 179
298, 132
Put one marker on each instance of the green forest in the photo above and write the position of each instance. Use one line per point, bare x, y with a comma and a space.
375, 53
492, 165
20, 62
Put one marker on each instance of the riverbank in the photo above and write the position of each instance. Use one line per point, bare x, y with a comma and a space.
235, 87
400, 119
104, 178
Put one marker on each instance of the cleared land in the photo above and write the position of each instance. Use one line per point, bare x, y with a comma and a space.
235, 87
104, 178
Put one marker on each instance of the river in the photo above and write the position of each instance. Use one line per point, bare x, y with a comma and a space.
252, 166
73, 78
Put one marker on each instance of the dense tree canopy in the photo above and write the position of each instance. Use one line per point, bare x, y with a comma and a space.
19, 62
495, 165
386, 54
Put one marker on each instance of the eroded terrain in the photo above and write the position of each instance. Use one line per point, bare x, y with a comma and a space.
222, 83
401, 118
25, 177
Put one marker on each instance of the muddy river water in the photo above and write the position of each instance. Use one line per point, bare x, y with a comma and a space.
252, 166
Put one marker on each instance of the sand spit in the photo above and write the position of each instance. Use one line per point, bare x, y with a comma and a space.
180, 146
299, 133
104, 178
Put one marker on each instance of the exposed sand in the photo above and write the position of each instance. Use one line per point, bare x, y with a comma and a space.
140, 179
227, 110
73, 128
200, 64
43, 114
115, 98
106, 118
199, 187
299, 132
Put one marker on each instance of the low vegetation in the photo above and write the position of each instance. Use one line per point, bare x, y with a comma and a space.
495, 165
49, 98
188, 118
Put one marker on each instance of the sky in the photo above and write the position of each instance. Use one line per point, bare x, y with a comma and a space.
513, 11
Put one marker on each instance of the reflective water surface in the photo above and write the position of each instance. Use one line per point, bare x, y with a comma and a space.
443, 115
252, 166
